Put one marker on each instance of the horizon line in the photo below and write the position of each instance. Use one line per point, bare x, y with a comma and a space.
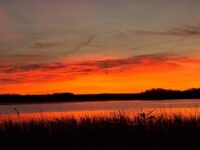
54, 93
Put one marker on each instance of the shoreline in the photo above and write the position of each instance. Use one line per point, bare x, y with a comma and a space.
90, 101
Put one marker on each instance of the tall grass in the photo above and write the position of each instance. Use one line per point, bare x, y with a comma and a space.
112, 132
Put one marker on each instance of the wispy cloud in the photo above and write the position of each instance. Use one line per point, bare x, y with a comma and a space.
185, 31
26, 67
46, 72
39, 45
82, 44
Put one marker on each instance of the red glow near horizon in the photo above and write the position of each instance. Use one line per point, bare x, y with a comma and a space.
106, 75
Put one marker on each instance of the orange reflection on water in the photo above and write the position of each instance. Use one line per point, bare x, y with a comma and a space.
53, 115
166, 112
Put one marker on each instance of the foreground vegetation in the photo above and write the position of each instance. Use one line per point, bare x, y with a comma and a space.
116, 132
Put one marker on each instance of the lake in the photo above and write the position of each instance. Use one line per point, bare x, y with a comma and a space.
50, 110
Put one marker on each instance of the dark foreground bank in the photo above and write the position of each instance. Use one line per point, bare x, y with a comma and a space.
118, 132
153, 94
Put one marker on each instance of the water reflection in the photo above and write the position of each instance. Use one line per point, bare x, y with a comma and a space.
186, 108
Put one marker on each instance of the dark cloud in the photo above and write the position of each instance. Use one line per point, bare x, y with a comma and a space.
24, 67
185, 31
41, 72
39, 45
147, 59
89, 65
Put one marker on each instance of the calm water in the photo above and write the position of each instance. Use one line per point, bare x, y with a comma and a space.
100, 106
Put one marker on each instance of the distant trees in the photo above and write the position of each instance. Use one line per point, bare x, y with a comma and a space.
153, 94
170, 94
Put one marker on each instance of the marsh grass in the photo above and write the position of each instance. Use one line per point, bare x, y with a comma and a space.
112, 132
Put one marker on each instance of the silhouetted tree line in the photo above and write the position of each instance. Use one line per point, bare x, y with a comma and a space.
153, 94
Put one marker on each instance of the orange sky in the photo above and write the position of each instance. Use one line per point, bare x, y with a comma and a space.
103, 76
98, 46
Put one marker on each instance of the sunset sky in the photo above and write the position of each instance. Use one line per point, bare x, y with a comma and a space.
98, 46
